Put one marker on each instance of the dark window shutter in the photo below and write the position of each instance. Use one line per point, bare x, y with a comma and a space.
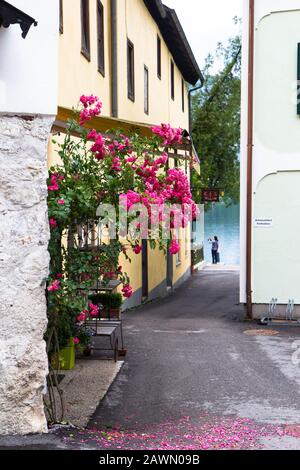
85, 29
100, 30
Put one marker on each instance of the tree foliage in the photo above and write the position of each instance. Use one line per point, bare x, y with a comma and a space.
216, 128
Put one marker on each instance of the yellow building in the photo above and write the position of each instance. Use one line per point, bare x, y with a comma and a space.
134, 55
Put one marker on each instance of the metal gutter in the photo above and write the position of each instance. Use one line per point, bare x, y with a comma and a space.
114, 59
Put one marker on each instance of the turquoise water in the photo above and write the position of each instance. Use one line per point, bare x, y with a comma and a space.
224, 222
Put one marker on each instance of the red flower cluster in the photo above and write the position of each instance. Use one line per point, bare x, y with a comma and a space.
91, 107
54, 286
171, 136
91, 312
127, 291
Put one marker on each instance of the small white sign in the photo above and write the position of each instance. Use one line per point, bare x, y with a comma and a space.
261, 222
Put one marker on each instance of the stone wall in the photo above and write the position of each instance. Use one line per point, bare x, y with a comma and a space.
24, 259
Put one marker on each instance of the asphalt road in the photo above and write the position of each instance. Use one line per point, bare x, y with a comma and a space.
190, 361
193, 379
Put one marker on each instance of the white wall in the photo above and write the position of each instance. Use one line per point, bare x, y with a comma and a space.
276, 147
276, 261
29, 67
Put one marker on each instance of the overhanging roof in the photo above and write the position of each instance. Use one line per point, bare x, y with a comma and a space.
9, 14
175, 38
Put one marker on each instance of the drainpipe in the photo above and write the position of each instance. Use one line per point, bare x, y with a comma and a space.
250, 161
192, 90
114, 59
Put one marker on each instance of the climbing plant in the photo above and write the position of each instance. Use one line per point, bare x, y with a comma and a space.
97, 170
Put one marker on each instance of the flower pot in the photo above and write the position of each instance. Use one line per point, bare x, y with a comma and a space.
115, 313
66, 358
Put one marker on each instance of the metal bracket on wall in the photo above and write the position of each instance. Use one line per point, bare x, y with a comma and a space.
12, 15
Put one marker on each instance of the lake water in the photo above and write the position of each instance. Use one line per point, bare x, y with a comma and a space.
223, 222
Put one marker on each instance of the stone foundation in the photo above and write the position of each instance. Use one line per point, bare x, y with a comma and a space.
24, 260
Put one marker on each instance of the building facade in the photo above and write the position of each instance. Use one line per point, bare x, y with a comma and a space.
270, 155
134, 55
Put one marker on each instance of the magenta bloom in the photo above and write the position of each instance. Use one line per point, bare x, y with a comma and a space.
76, 340
54, 286
61, 202
53, 223
94, 310
170, 135
137, 249
81, 317
127, 291
174, 247
91, 107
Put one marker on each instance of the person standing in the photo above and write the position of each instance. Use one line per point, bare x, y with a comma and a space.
214, 249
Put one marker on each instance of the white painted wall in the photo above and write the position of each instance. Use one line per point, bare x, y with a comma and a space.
276, 262
29, 67
276, 150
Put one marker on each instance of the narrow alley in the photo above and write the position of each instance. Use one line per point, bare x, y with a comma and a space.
193, 378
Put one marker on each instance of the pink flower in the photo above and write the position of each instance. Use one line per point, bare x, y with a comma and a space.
53, 223
54, 286
127, 291
116, 164
137, 249
94, 310
170, 135
76, 340
81, 317
61, 202
174, 247
91, 107
59, 276
98, 148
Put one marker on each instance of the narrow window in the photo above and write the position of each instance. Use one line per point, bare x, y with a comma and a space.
85, 29
61, 16
146, 90
100, 29
158, 57
130, 70
172, 81
183, 94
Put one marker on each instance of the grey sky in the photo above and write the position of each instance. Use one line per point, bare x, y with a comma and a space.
206, 22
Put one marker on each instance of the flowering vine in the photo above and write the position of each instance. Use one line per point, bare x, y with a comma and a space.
96, 169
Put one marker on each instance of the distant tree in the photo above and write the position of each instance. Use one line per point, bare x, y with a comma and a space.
216, 128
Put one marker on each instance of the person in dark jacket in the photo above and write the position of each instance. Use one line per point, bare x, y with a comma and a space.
214, 249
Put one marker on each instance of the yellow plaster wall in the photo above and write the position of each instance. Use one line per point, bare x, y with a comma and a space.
136, 24
157, 268
77, 75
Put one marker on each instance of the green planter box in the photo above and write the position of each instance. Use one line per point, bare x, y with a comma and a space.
66, 358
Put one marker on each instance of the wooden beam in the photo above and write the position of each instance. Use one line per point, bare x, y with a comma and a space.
106, 125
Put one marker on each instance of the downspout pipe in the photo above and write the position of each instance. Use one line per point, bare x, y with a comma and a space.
192, 90
114, 58
249, 308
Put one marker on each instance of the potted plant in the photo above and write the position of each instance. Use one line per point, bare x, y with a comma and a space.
115, 303
110, 304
